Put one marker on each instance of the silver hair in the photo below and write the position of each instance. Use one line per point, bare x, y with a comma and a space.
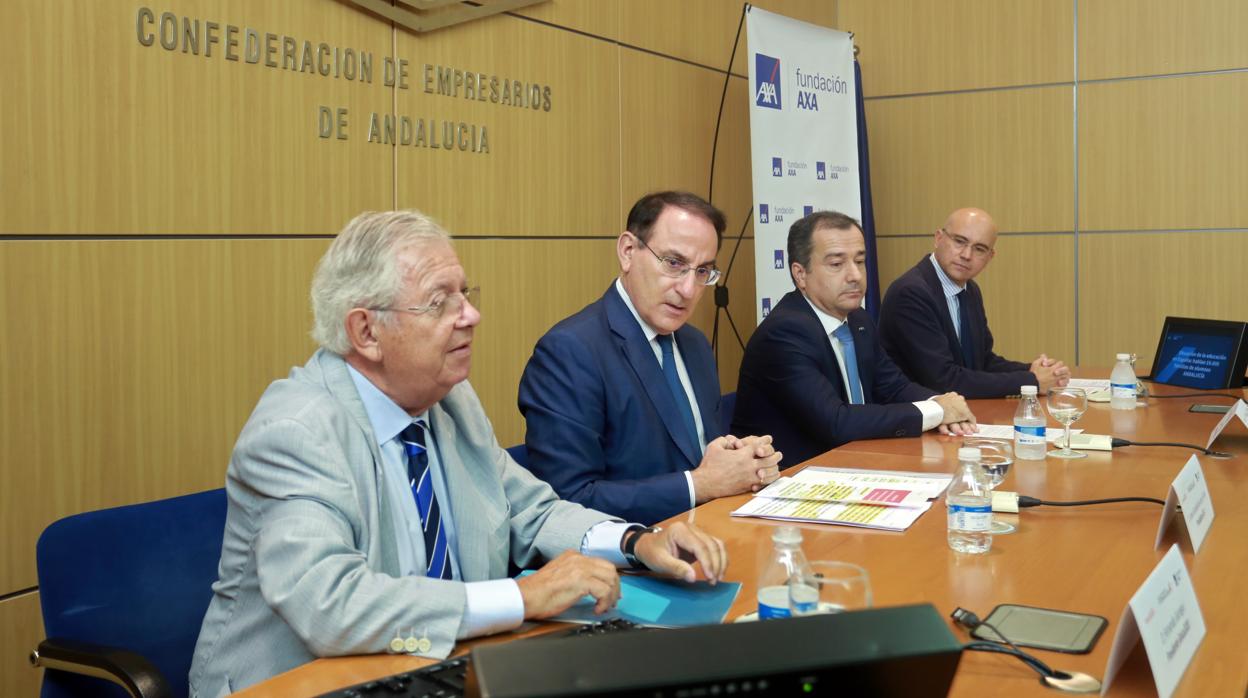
361, 270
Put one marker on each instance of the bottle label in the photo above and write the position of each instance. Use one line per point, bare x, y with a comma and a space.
963, 517
1123, 390
766, 611
1028, 436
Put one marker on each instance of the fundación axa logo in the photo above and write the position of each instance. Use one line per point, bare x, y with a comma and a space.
764, 215
777, 168
767, 75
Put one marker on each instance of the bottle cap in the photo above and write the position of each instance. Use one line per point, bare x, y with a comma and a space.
791, 534
1124, 357
969, 453
1027, 390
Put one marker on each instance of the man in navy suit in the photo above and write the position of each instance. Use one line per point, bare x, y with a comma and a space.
933, 324
622, 399
814, 375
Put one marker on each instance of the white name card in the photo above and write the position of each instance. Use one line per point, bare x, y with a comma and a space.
1190, 491
1239, 409
1163, 613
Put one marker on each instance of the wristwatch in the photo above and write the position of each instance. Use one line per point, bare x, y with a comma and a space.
631, 544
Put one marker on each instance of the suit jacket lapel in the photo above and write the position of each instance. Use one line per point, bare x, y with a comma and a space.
465, 506
339, 383
636, 350
798, 303
928, 274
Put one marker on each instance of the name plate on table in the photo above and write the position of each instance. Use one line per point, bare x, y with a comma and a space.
1190, 491
1163, 613
1239, 409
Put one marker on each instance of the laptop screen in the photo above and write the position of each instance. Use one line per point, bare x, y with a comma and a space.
1201, 354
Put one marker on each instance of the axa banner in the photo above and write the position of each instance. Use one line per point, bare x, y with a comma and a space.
803, 137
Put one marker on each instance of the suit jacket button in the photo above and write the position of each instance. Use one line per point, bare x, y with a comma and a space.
899, 432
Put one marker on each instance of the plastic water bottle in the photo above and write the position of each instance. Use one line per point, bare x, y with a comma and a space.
773, 583
969, 499
1122, 384
1029, 441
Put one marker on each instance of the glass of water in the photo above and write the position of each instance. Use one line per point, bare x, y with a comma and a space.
1067, 405
829, 587
995, 456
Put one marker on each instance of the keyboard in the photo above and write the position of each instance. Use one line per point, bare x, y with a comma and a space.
446, 679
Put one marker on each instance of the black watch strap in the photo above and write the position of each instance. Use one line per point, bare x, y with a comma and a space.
630, 546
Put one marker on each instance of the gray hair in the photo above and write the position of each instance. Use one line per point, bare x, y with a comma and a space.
361, 270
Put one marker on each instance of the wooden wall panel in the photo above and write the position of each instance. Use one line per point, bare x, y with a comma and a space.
1025, 268
598, 17
21, 629
1130, 282
702, 31
102, 135
547, 173
667, 127
1121, 38
910, 46
130, 367
1163, 154
1009, 152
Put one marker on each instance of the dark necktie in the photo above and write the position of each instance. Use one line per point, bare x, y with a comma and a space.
678, 390
420, 478
964, 331
846, 337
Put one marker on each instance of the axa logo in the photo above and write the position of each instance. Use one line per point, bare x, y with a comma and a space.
777, 168
821, 170
764, 215
767, 87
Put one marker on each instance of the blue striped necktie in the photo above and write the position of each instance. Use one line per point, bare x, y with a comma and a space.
420, 478
846, 338
672, 376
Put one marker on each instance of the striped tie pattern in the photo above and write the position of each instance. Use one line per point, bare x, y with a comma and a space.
420, 478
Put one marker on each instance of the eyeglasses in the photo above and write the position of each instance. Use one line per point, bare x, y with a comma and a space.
960, 243
676, 269
453, 303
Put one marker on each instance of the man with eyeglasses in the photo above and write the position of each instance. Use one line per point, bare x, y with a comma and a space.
814, 374
371, 509
622, 399
933, 323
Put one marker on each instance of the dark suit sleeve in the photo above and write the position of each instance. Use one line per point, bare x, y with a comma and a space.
914, 331
790, 362
563, 400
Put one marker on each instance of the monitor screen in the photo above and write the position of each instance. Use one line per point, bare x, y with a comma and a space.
1201, 354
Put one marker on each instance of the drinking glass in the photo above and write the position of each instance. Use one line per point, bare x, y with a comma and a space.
1067, 405
995, 456
829, 587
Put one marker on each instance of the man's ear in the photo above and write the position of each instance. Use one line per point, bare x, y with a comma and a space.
799, 275
361, 325
625, 246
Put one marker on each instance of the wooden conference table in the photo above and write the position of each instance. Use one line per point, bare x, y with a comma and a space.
1085, 559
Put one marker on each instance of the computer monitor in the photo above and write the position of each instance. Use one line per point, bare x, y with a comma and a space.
1201, 354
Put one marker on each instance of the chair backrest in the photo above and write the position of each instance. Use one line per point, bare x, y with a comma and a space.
728, 404
138, 577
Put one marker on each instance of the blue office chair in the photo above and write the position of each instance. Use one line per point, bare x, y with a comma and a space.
123, 593
727, 405
519, 453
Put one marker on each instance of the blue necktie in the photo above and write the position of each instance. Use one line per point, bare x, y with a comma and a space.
420, 478
964, 332
846, 338
678, 390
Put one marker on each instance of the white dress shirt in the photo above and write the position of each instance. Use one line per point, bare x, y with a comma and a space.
651, 335
490, 606
933, 413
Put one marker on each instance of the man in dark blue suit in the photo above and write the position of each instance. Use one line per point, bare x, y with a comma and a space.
622, 399
933, 324
814, 375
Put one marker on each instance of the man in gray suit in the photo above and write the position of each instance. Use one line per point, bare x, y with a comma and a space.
369, 501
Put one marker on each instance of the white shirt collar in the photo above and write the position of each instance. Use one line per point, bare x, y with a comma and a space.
646, 329
830, 324
946, 284
387, 418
